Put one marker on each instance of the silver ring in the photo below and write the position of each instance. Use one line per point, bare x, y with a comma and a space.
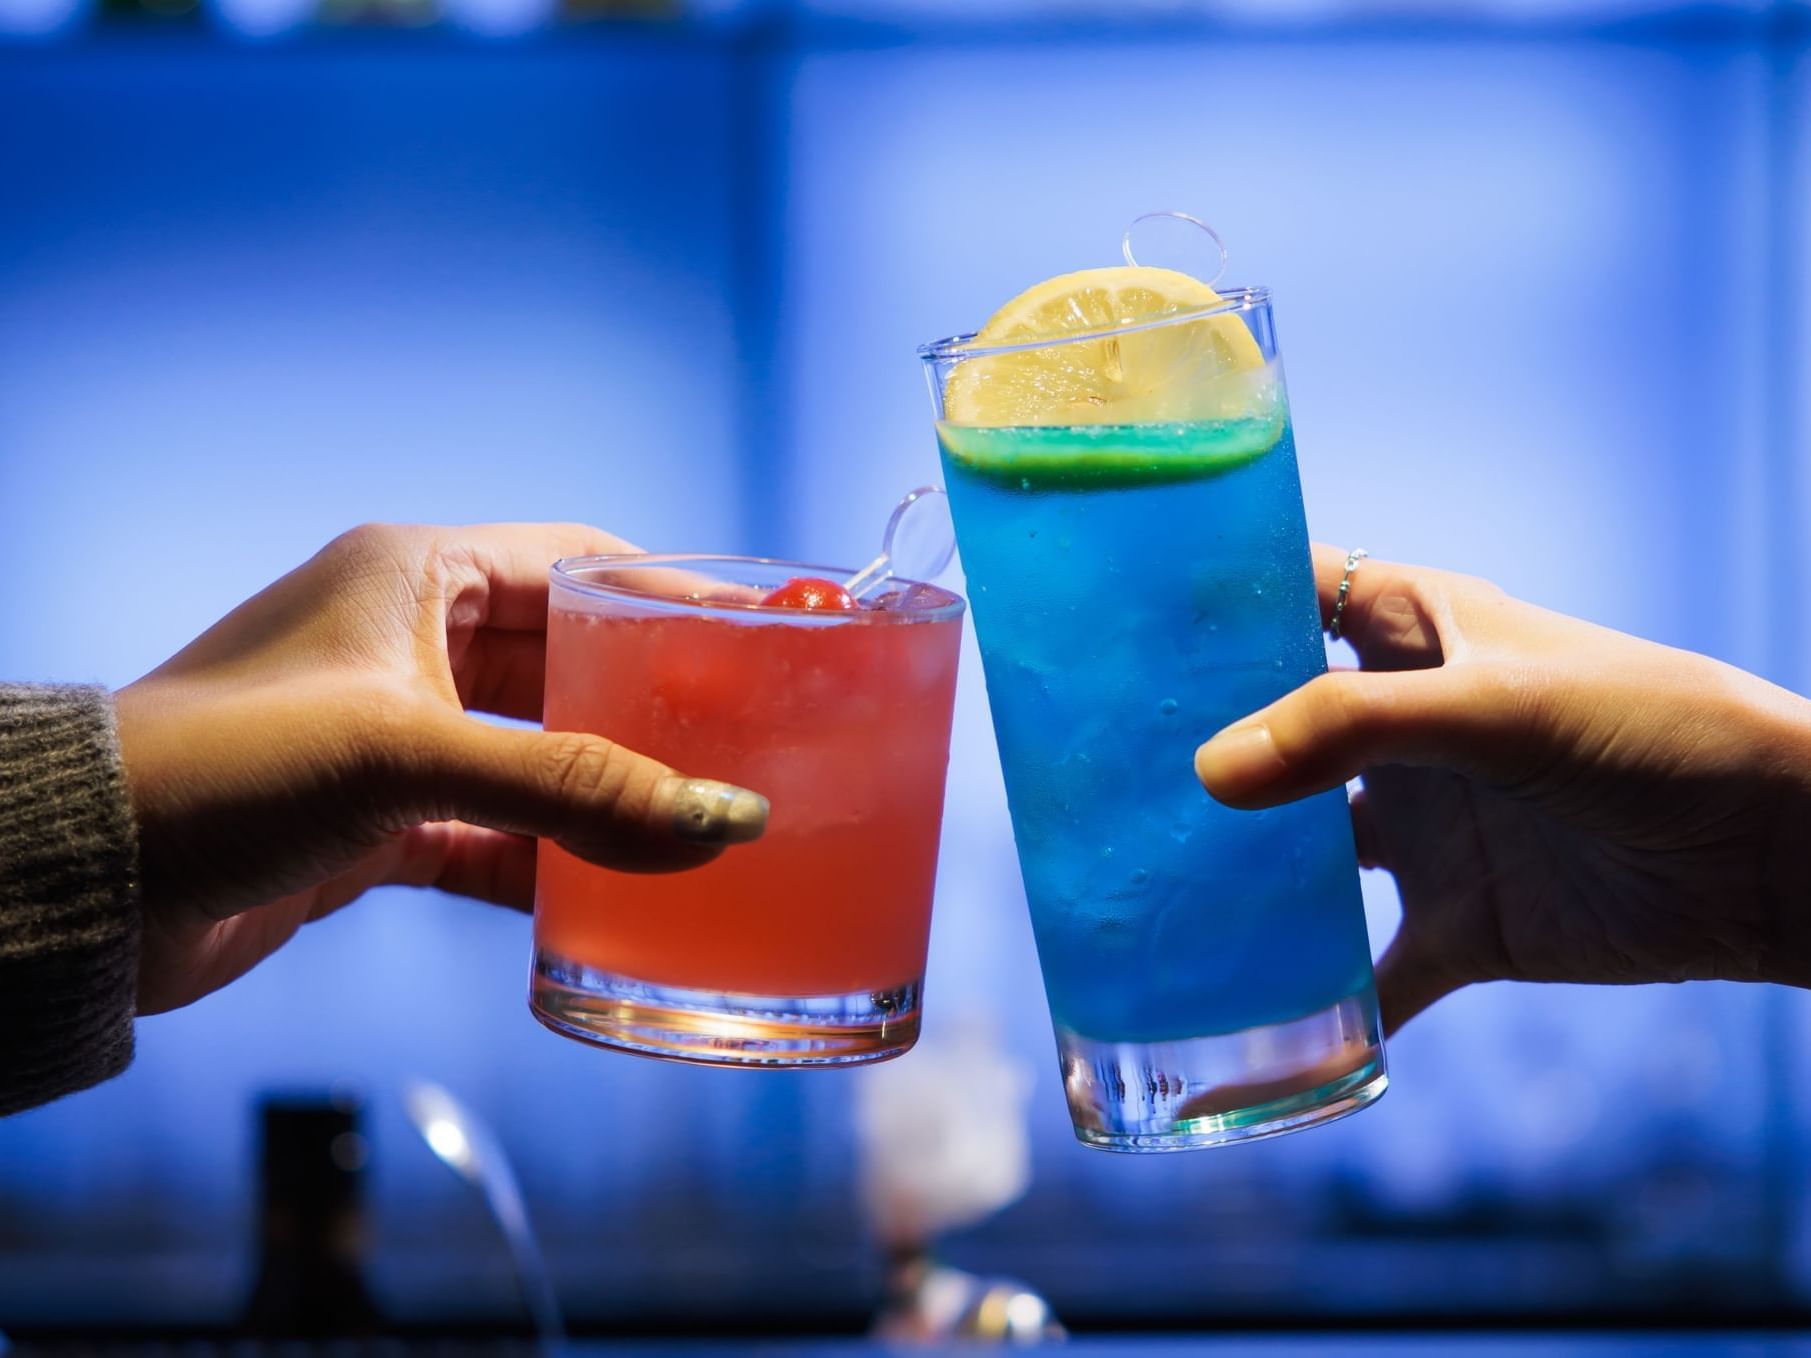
1353, 557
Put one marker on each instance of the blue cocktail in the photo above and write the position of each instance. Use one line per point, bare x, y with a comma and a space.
1138, 584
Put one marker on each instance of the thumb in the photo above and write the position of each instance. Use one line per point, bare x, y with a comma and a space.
1335, 726
591, 796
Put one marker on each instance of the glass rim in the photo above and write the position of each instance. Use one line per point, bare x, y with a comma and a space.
963, 346
562, 573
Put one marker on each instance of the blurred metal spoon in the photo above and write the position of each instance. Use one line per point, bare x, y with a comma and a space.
462, 1142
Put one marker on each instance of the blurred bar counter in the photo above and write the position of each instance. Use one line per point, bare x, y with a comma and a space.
1470, 1344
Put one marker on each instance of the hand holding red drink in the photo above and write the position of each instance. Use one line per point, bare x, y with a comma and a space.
315, 743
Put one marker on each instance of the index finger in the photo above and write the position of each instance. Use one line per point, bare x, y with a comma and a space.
511, 563
1393, 616
507, 584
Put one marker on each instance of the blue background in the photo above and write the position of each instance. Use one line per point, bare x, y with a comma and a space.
1543, 274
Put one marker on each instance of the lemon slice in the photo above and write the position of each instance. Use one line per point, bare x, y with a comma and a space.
1204, 369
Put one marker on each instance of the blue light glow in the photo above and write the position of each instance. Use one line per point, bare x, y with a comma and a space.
29, 19
1538, 290
259, 19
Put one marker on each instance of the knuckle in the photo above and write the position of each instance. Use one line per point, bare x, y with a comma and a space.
1472, 586
360, 555
366, 540
582, 768
1465, 611
1393, 616
378, 549
1343, 704
373, 577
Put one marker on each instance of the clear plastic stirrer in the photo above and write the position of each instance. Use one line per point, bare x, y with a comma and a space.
1125, 241
918, 543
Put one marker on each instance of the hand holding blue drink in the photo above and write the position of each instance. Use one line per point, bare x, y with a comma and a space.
1556, 801
1122, 472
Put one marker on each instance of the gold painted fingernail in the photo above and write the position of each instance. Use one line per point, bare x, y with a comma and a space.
708, 812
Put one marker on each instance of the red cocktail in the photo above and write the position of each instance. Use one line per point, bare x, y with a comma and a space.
807, 946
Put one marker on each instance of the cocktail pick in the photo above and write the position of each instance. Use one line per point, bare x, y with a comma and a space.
918, 543
1125, 241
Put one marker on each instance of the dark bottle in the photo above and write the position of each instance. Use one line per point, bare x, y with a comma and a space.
312, 1225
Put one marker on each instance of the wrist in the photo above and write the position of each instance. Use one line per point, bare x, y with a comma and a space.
1786, 862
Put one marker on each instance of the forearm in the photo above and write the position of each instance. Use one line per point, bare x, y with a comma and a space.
69, 919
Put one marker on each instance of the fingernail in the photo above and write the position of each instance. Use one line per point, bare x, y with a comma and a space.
708, 812
1238, 757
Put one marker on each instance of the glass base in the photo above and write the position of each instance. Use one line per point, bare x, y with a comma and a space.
1211, 1091
719, 1027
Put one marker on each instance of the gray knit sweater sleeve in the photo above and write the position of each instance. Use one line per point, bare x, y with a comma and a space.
69, 917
